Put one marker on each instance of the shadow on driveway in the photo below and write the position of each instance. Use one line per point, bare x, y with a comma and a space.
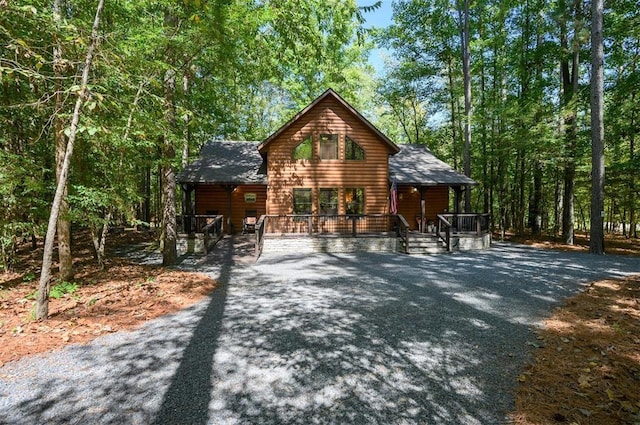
351, 338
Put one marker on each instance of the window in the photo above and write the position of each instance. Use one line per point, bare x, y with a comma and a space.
354, 201
302, 199
329, 201
304, 150
328, 146
352, 150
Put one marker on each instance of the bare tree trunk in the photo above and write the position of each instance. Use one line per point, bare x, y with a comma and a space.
64, 224
466, 69
167, 156
452, 96
536, 204
632, 195
99, 237
596, 244
42, 302
569, 89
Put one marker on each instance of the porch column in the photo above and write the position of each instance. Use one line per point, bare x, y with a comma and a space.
229, 189
458, 199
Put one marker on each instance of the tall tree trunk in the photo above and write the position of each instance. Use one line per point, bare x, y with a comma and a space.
466, 70
65, 261
169, 234
452, 103
42, 302
596, 244
99, 237
536, 204
168, 155
569, 72
632, 178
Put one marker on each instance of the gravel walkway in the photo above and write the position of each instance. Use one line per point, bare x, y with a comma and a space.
324, 338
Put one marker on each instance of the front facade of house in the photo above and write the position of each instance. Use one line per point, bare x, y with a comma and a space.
328, 160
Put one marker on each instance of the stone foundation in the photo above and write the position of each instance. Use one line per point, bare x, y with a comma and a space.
305, 244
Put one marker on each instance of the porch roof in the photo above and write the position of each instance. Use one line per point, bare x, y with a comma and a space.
226, 162
417, 165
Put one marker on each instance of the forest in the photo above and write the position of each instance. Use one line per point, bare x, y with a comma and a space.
104, 101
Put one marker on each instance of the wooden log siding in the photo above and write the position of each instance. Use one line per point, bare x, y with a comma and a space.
211, 197
328, 117
436, 200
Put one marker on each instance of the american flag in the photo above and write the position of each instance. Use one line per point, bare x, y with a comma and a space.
393, 206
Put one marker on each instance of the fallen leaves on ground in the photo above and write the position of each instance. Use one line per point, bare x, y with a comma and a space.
123, 296
587, 371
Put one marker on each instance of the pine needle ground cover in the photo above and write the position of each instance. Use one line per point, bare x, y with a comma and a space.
123, 296
587, 367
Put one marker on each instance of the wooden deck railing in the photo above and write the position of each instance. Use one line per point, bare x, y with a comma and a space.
213, 232
353, 225
467, 223
195, 223
443, 231
470, 223
346, 225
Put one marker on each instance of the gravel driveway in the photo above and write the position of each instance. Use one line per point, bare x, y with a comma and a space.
326, 338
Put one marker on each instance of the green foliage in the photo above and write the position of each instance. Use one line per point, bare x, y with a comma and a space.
57, 291
62, 288
518, 112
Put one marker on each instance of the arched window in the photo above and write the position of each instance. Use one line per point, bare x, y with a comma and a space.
304, 150
352, 150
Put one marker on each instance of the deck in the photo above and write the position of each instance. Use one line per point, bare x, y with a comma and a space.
345, 233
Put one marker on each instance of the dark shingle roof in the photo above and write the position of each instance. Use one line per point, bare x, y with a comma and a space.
415, 164
225, 162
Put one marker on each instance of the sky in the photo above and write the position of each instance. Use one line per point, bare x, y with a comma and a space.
379, 18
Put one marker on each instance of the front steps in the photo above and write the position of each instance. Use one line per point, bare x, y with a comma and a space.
424, 243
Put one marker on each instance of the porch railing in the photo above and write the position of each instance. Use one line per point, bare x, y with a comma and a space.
403, 232
213, 232
352, 224
443, 231
346, 225
195, 223
467, 223
448, 224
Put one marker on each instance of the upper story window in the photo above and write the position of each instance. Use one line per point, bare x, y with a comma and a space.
352, 150
328, 146
304, 150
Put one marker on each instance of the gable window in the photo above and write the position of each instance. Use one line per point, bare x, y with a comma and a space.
328, 201
302, 201
304, 150
328, 146
352, 150
354, 200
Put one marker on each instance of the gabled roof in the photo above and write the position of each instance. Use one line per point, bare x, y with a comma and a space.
330, 93
417, 165
225, 162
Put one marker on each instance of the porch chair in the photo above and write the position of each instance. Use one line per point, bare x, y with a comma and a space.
249, 221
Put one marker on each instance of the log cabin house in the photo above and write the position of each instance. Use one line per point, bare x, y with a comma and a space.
330, 175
